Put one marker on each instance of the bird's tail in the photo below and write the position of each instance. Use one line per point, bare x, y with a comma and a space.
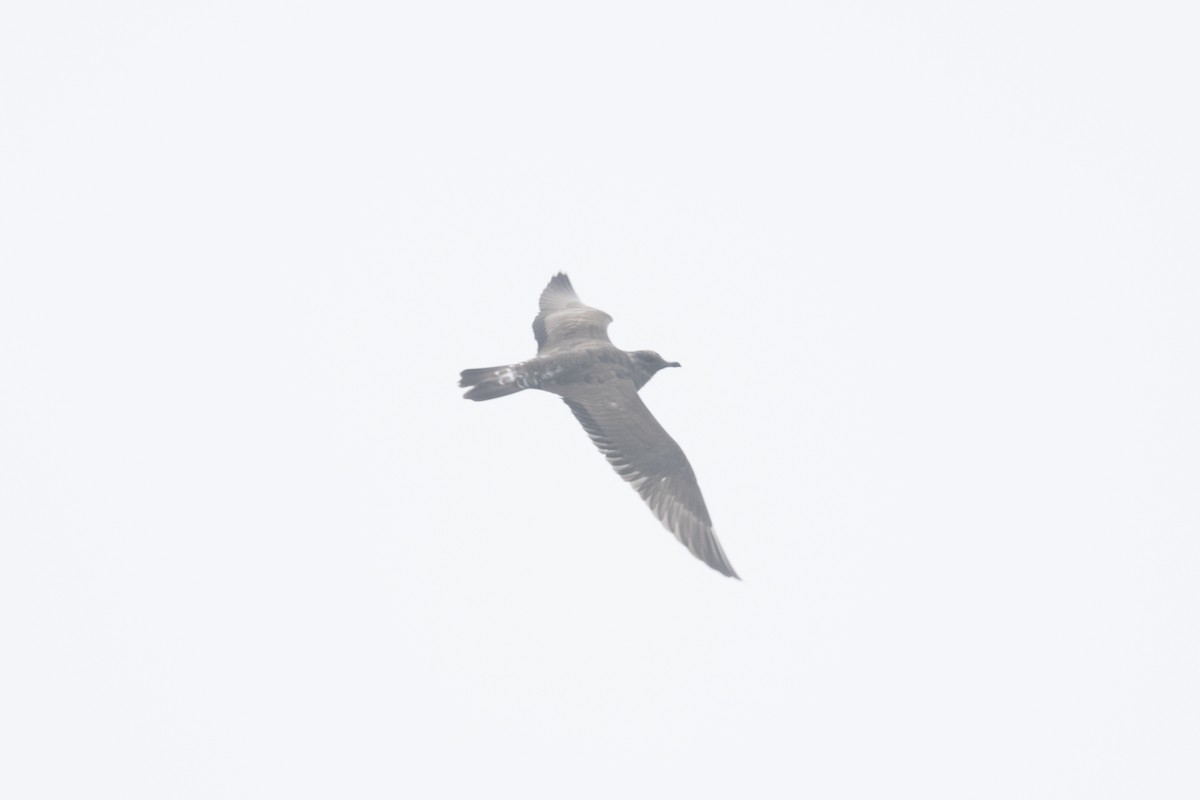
492, 382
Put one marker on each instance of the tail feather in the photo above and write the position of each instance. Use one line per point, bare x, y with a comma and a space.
491, 382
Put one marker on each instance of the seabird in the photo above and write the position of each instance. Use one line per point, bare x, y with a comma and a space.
600, 383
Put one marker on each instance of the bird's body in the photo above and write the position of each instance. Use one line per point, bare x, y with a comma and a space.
600, 383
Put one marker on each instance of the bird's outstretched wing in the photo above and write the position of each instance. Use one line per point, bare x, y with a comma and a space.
563, 319
644, 454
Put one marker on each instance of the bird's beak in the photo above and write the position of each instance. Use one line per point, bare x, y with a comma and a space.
674, 364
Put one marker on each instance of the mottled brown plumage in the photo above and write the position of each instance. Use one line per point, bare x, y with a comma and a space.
600, 383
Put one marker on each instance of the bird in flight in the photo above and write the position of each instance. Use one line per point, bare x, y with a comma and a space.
600, 383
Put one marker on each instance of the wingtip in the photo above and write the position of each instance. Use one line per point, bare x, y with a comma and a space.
725, 569
558, 293
559, 281
718, 560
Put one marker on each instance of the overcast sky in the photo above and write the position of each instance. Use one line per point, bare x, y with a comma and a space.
933, 273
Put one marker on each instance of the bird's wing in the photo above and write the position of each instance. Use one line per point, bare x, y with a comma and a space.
563, 319
644, 454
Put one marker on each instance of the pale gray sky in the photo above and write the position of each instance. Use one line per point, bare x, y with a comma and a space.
933, 273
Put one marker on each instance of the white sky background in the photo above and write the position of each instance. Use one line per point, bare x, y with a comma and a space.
933, 274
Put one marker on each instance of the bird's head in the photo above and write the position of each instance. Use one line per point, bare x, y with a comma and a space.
646, 363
